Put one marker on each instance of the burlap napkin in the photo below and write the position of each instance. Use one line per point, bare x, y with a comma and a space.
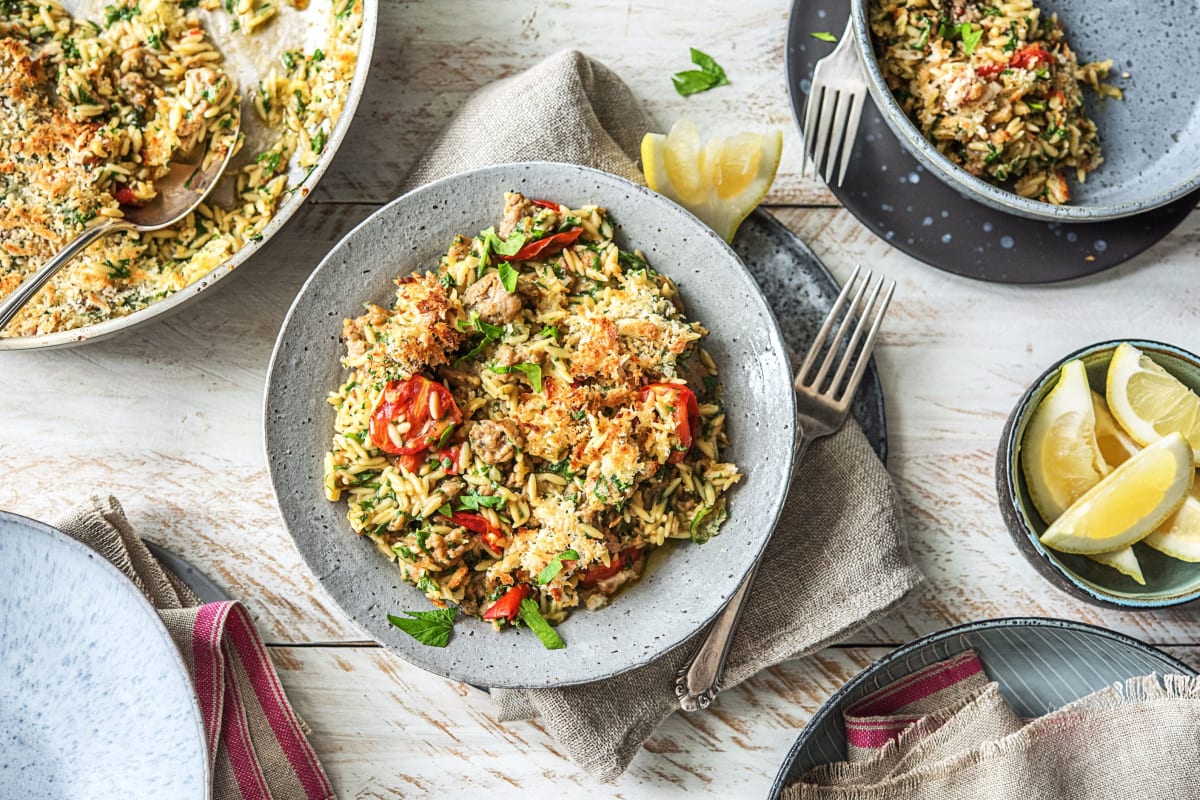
838, 559
256, 743
1134, 738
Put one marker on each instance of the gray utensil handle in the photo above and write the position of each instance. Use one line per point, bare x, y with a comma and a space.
13, 304
699, 681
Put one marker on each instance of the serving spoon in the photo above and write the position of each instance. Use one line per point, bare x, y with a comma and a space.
179, 192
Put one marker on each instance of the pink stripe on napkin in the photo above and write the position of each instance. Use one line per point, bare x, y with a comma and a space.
884, 714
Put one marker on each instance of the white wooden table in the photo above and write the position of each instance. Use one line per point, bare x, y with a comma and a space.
168, 418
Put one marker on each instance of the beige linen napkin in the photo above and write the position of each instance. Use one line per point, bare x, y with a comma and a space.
257, 746
1134, 739
838, 559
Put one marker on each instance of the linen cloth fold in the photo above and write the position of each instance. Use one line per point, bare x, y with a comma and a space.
256, 744
838, 559
967, 742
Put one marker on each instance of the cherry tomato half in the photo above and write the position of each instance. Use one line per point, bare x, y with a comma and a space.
687, 412
125, 197
1029, 57
547, 204
620, 561
547, 246
509, 605
426, 407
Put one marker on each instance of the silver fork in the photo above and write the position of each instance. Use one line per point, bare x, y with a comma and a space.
834, 108
822, 405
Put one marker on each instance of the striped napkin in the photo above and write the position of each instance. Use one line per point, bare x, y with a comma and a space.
257, 746
947, 733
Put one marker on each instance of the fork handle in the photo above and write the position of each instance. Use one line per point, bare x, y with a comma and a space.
699, 680
21, 296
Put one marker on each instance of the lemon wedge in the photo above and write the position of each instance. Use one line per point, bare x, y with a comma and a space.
1115, 445
1149, 402
720, 181
1059, 454
1179, 536
1128, 504
1123, 561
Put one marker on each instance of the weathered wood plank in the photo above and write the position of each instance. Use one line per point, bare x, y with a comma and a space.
429, 59
386, 729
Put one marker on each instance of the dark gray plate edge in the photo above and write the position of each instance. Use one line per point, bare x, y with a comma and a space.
151, 614
833, 704
774, 333
871, 389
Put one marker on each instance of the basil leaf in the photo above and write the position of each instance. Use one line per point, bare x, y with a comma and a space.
549, 330
532, 372
445, 510
508, 276
706, 64
556, 565
510, 246
429, 627
970, 39
692, 81
473, 502
486, 328
537, 623
824, 36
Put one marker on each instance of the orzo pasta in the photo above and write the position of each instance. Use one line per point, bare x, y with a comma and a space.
92, 111
995, 86
530, 419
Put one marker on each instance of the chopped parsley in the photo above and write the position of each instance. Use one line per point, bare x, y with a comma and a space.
114, 14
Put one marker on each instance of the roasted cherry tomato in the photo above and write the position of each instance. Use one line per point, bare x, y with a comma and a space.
620, 561
125, 197
426, 407
547, 246
1029, 57
492, 536
448, 458
990, 70
509, 605
547, 204
687, 412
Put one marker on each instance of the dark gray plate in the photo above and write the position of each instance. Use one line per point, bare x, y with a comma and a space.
899, 200
676, 598
1040, 664
801, 291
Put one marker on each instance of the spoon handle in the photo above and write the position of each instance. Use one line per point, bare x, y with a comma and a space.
12, 304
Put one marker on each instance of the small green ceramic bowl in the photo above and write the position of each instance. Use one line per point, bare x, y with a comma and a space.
1169, 582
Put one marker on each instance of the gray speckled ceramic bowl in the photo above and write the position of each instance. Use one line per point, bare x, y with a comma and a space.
1169, 582
1149, 139
94, 693
1040, 664
681, 592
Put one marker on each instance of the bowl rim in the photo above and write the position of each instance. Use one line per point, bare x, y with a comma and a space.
271, 442
300, 192
1008, 495
835, 700
152, 619
977, 188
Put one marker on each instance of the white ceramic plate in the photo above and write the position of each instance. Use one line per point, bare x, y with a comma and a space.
94, 694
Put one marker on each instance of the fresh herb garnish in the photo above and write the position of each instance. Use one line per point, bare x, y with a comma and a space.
491, 333
994, 154
270, 160
556, 565
709, 76
549, 330
533, 372
537, 623
508, 276
970, 37
428, 627
824, 36
474, 502
707, 520
114, 13
1035, 106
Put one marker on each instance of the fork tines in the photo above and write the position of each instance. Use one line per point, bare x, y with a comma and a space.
831, 120
857, 312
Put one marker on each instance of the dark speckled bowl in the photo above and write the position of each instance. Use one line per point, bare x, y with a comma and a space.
1169, 582
1149, 138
